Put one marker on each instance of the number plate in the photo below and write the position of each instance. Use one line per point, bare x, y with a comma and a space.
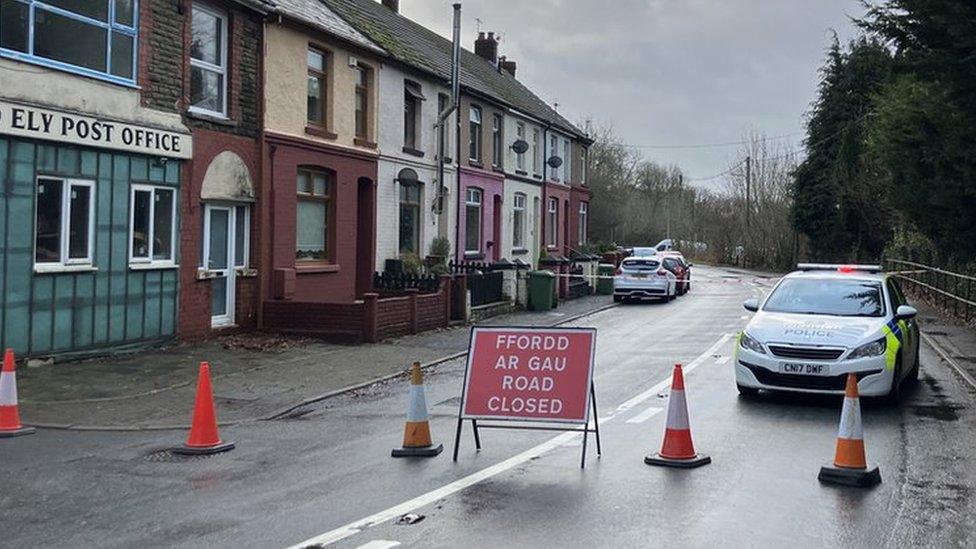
640, 275
796, 368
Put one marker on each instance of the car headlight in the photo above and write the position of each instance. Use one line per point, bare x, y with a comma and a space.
747, 342
874, 348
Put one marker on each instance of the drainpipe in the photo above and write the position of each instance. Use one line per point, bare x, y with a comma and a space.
439, 128
544, 244
456, 106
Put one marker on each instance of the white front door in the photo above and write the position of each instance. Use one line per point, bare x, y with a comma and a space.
218, 259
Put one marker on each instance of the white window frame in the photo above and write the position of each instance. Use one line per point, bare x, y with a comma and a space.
567, 161
520, 157
553, 151
519, 202
222, 70
497, 154
246, 264
538, 151
552, 219
149, 262
584, 219
474, 111
470, 201
66, 263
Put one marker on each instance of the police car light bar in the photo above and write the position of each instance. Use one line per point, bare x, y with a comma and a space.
839, 268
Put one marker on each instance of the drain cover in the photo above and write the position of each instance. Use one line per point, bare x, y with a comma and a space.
166, 455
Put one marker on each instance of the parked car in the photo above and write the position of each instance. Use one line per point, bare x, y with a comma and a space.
643, 277
642, 251
675, 262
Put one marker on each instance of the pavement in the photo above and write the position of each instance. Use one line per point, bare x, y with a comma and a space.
325, 477
255, 376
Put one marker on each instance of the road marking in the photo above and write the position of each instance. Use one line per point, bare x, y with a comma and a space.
667, 382
363, 524
646, 415
379, 544
722, 360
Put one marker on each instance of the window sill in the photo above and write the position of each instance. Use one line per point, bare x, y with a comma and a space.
246, 272
316, 268
537, 176
519, 251
360, 142
54, 269
474, 255
157, 266
447, 160
475, 164
523, 173
319, 131
498, 169
212, 118
413, 152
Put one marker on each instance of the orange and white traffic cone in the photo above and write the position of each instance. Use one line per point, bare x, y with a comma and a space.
416, 434
678, 449
204, 438
850, 466
9, 415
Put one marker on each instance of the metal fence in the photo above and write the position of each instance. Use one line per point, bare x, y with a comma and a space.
391, 282
483, 279
953, 292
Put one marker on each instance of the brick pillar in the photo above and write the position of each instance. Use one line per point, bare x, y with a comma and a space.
459, 295
370, 303
446, 296
414, 321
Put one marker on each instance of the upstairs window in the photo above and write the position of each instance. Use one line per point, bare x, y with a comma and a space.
496, 140
553, 151
474, 130
208, 62
94, 38
567, 172
362, 101
520, 157
64, 222
411, 114
316, 87
537, 151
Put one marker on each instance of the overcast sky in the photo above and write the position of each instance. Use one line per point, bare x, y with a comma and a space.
664, 72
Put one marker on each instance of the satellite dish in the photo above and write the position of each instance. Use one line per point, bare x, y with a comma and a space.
554, 162
408, 176
520, 146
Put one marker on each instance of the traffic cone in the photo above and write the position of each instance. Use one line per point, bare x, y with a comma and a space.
416, 434
9, 416
678, 450
850, 466
204, 438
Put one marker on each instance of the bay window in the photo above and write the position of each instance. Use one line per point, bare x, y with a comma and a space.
472, 221
63, 222
94, 38
152, 225
314, 216
518, 221
208, 61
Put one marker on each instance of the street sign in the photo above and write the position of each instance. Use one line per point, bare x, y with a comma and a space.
529, 375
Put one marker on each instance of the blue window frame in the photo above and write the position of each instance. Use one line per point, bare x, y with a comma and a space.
95, 38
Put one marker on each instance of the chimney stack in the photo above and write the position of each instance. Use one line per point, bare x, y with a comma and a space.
393, 5
487, 47
506, 65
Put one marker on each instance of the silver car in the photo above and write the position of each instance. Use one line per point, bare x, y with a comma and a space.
643, 277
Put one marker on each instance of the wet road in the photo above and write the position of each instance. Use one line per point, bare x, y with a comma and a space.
326, 474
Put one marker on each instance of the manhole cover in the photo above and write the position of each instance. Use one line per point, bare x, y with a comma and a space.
166, 455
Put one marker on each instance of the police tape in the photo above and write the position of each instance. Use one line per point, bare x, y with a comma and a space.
692, 280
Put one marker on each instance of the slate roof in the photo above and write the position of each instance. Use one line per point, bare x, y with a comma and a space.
424, 49
318, 15
262, 6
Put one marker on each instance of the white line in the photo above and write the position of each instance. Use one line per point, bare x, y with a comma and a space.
360, 525
379, 544
645, 415
667, 382
722, 360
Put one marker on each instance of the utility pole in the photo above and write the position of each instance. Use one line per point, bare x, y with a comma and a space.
748, 189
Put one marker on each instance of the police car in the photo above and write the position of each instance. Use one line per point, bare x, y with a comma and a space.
824, 321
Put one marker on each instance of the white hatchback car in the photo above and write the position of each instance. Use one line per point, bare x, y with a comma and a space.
643, 277
824, 321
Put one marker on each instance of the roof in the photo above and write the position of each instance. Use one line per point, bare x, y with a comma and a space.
417, 46
262, 6
318, 15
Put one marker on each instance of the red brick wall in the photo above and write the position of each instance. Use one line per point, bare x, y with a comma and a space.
393, 317
340, 321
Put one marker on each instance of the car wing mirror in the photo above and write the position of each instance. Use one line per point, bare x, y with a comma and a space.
751, 304
906, 312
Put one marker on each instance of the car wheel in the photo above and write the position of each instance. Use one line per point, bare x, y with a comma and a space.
893, 398
747, 392
618, 298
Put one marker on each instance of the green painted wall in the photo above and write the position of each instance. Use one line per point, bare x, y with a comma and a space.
51, 314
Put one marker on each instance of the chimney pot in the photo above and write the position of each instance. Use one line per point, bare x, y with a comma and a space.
487, 47
393, 5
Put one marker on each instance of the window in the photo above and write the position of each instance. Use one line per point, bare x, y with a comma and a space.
583, 167
583, 211
95, 38
536, 151
474, 129
443, 102
520, 157
827, 296
566, 162
472, 221
314, 215
316, 87
208, 62
518, 221
553, 151
362, 101
551, 219
496, 140
242, 233
64, 222
411, 114
152, 224
409, 219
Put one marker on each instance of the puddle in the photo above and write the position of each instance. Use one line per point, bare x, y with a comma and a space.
939, 412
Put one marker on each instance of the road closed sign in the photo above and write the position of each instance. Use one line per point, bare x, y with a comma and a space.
529, 374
